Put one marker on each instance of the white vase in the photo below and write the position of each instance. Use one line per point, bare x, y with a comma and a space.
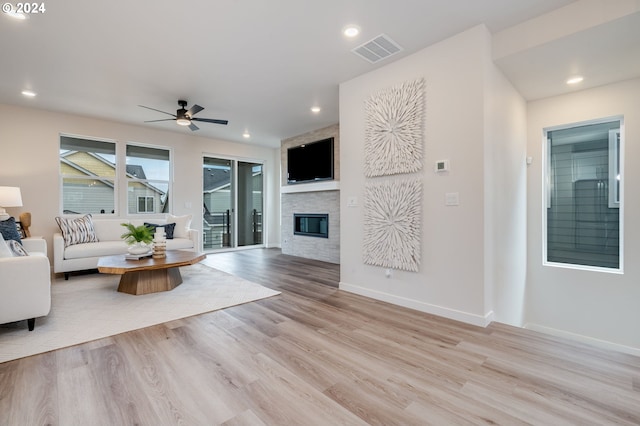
139, 248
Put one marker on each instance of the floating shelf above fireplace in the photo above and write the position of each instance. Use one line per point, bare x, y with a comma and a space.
331, 185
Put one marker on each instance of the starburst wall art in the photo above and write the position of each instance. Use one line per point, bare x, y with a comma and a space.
394, 130
392, 224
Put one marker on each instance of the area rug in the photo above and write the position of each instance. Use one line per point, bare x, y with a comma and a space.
88, 307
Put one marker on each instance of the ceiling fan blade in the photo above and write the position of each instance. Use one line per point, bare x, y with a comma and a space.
193, 127
211, 120
164, 119
194, 110
153, 109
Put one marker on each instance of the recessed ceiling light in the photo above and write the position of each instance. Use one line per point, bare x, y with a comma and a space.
575, 80
28, 93
315, 109
14, 14
351, 31
246, 135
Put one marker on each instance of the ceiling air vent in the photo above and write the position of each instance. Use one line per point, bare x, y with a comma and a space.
377, 49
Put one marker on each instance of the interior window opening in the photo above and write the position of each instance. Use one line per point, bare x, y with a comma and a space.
584, 193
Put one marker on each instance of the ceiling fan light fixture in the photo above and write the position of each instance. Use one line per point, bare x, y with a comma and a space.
185, 117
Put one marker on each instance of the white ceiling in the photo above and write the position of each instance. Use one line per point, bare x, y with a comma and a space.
259, 64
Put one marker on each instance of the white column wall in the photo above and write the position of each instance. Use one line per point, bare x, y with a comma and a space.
505, 199
596, 307
451, 278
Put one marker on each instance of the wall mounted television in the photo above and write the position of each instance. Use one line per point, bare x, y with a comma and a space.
310, 162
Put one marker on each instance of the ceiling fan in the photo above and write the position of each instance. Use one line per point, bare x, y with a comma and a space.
185, 117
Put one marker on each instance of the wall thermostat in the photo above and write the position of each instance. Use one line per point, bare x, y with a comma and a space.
442, 166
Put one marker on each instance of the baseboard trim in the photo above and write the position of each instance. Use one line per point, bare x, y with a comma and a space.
603, 344
466, 317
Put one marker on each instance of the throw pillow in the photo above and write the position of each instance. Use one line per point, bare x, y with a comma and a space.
183, 223
16, 248
9, 229
77, 230
4, 248
168, 228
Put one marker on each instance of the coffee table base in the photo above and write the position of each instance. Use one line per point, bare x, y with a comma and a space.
149, 275
151, 281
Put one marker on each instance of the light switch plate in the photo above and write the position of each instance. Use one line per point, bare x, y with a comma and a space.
452, 199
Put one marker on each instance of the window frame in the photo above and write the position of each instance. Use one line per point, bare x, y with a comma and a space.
547, 184
615, 164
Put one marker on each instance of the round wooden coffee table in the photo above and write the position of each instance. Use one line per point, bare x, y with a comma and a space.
149, 275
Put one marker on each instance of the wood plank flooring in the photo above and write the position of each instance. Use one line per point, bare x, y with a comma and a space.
318, 356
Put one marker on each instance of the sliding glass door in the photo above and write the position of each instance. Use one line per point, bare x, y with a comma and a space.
217, 203
249, 193
232, 194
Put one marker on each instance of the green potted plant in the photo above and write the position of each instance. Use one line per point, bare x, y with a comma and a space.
139, 238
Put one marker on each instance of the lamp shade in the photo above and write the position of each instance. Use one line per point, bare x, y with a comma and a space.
10, 196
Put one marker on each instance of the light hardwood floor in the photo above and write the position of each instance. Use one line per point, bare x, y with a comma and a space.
318, 356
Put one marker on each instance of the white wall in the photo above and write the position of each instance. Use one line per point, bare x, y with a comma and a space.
593, 306
451, 281
482, 260
505, 198
30, 146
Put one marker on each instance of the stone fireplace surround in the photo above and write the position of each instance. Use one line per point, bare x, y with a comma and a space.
316, 198
326, 249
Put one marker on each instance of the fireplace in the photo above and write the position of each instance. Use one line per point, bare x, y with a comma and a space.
311, 224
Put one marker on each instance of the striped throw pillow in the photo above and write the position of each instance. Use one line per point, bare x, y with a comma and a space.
77, 230
16, 248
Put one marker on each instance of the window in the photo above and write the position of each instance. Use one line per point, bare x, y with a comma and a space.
88, 175
145, 204
583, 196
148, 179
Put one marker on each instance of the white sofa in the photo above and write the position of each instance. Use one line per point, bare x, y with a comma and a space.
85, 256
25, 284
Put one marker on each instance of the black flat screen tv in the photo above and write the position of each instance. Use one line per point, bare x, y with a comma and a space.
310, 162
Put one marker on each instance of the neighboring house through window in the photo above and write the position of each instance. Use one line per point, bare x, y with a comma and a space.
148, 179
584, 193
87, 175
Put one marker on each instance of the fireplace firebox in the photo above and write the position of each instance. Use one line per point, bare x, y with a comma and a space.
311, 224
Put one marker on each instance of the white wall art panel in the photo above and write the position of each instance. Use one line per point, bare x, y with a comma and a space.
394, 130
392, 224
